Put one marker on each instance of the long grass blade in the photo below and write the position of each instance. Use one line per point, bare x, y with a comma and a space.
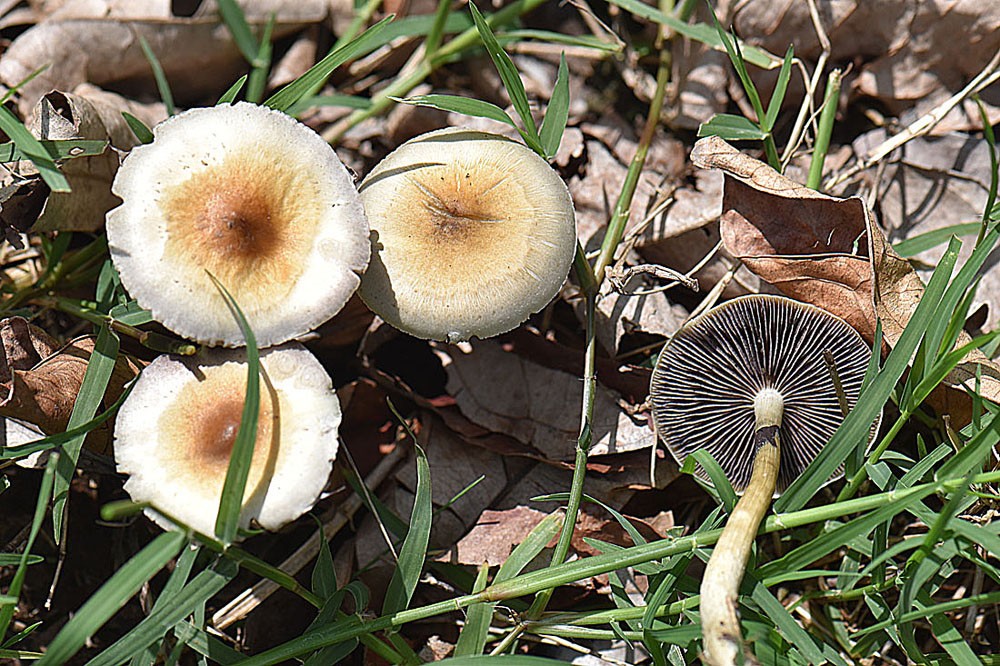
30, 147
109, 599
227, 523
414, 549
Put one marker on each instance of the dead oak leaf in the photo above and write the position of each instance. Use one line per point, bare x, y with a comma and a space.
825, 251
506, 393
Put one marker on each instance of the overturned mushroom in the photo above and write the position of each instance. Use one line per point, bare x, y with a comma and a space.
471, 234
748, 382
255, 198
175, 432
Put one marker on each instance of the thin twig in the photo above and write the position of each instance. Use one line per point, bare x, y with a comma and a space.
922, 125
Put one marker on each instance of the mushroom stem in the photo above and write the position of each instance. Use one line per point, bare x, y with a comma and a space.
720, 625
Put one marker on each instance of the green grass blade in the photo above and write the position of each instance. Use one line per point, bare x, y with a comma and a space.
533, 544
57, 150
232, 15
261, 64
110, 598
778, 96
365, 43
227, 523
468, 106
791, 629
162, 85
732, 128
472, 639
168, 612
25, 558
720, 484
700, 32
510, 77
926, 241
855, 428
829, 541
11, 560
414, 549
549, 37
32, 148
324, 577
206, 645
95, 383
229, 96
991, 144
143, 133
557, 112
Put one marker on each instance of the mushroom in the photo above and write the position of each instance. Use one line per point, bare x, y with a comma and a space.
255, 198
471, 234
175, 431
749, 382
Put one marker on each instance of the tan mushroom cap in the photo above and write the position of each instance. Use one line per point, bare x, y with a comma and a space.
471, 234
175, 432
252, 196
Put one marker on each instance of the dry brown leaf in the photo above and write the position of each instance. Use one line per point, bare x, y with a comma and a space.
637, 310
813, 247
24, 345
909, 52
932, 183
537, 406
88, 113
80, 43
494, 536
44, 394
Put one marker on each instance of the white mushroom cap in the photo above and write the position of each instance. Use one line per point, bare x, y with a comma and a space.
252, 196
471, 234
175, 432
714, 371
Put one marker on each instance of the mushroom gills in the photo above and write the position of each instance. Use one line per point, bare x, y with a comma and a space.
724, 572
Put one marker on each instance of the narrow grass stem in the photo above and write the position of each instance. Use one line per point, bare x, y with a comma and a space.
403, 85
852, 486
623, 206
150, 339
824, 130
562, 574
583, 444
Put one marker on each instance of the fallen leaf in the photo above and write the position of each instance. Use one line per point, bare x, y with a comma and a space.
828, 252
537, 406
83, 43
44, 394
494, 536
932, 183
908, 54
89, 113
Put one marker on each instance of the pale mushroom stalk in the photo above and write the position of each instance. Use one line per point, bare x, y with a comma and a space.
727, 383
724, 573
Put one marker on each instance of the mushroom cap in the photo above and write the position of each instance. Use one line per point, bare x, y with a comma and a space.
252, 196
471, 234
708, 376
175, 432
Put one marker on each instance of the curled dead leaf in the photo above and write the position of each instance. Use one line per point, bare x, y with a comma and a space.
43, 395
827, 251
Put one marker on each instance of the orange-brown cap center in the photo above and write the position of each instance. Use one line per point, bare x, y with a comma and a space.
201, 426
249, 220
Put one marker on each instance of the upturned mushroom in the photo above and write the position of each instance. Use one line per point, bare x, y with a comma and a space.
748, 382
175, 432
255, 198
471, 234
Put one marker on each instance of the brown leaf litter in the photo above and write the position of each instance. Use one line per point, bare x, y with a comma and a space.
826, 251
